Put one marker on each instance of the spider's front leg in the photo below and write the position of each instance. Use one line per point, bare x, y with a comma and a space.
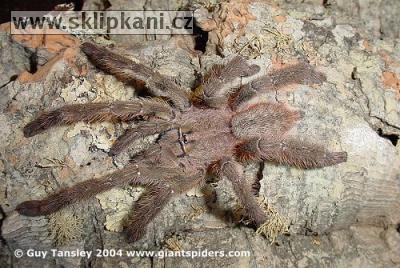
97, 112
218, 84
131, 72
142, 130
288, 151
301, 73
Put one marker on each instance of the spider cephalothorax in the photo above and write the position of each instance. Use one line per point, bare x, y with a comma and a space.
213, 130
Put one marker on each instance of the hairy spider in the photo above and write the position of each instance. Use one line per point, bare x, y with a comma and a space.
206, 134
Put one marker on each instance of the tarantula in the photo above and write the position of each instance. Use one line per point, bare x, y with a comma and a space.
206, 134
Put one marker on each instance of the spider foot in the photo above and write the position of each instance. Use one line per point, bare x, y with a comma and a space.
43, 122
133, 234
32, 208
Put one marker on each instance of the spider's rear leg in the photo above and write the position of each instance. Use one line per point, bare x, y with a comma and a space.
161, 184
145, 209
97, 112
264, 119
233, 171
220, 81
156, 196
133, 174
131, 72
142, 130
301, 73
80, 191
288, 151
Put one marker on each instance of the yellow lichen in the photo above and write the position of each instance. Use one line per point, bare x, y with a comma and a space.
117, 203
276, 223
173, 244
195, 213
253, 48
65, 226
283, 41
53, 163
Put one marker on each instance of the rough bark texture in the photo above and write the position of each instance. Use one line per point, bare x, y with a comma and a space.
340, 216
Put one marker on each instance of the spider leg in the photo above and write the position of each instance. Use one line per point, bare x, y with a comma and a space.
233, 171
264, 119
96, 112
80, 191
156, 196
301, 73
133, 174
290, 152
161, 184
146, 208
142, 130
131, 72
218, 84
